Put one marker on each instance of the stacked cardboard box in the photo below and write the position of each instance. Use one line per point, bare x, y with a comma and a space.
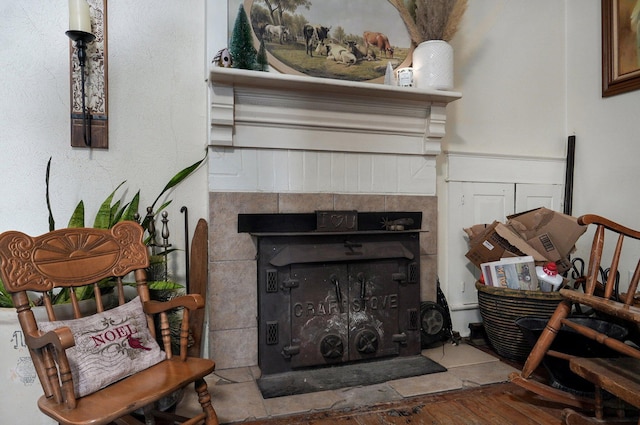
544, 234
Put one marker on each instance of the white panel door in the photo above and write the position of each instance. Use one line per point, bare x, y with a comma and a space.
530, 196
470, 203
487, 202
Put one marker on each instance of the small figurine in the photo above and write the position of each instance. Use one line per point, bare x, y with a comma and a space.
223, 58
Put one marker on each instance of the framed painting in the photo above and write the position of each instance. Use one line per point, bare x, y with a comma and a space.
620, 46
348, 40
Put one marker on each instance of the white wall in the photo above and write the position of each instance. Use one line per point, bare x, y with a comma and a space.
157, 111
607, 130
510, 68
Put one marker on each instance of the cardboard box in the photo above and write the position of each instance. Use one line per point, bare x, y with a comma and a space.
544, 234
563, 230
499, 241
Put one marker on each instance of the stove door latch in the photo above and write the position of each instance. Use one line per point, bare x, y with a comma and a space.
290, 283
399, 277
400, 338
290, 350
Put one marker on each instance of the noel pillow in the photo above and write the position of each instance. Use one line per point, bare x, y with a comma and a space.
109, 346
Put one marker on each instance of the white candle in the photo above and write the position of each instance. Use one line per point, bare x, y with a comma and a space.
79, 18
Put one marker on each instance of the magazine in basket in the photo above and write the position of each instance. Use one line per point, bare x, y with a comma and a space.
511, 272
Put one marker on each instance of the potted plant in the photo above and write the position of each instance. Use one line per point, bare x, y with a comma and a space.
431, 25
19, 378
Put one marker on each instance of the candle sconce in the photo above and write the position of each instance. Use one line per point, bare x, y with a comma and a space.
88, 64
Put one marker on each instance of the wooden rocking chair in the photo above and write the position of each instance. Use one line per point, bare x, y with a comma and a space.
619, 376
125, 335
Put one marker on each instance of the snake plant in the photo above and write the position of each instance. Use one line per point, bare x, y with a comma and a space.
109, 213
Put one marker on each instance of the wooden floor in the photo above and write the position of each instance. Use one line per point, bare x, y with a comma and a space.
496, 404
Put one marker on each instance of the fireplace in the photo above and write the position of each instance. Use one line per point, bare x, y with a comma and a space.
335, 287
288, 144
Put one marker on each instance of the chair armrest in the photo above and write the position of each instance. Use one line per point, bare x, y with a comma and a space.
60, 338
630, 313
189, 301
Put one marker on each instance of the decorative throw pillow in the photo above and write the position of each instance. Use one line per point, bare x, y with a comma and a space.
109, 346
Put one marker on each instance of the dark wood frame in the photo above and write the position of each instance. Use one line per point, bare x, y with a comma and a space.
612, 82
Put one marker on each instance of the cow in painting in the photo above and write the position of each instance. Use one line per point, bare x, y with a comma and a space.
314, 34
340, 53
279, 32
379, 40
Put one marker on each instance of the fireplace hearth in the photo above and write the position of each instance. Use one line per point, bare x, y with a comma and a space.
335, 288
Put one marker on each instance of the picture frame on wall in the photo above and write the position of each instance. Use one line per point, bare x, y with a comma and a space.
292, 50
620, 46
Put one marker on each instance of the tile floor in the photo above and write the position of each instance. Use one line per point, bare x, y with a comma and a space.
236, 396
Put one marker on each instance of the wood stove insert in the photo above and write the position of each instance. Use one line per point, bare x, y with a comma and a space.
335, 287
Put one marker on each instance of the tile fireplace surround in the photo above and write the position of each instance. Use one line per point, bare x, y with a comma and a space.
290, 144
233, 294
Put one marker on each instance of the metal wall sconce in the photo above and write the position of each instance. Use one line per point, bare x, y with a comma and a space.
87, 30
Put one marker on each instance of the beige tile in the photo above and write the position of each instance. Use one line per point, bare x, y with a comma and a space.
427, 384
234, 375
234, 347
225, 243
428, 278
238, 402
232, 295
226, 401
304, 202
450, 355
483, 374
300, 403
360, 203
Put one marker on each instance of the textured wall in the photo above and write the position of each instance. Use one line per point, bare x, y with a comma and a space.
157, 111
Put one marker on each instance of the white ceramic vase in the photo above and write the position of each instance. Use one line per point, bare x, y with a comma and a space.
433, 65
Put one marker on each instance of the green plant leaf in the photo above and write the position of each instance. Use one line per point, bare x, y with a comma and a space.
61, 297
164, 285
84, 292
5, 297
132, 208
103, 217
163, 206
175, 180
117, 217
113, 214
77, 218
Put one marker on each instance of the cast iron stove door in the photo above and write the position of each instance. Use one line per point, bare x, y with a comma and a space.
373, 309
319, 314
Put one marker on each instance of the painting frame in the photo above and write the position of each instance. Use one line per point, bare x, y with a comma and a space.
279, 65
618, 77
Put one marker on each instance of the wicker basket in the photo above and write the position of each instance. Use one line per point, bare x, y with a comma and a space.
501, 307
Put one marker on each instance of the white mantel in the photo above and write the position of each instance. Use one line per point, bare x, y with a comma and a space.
251, 109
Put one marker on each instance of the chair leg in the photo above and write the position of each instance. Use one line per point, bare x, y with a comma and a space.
535, 358
546, 338
205, 401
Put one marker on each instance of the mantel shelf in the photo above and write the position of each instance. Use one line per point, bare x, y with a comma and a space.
251, 109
